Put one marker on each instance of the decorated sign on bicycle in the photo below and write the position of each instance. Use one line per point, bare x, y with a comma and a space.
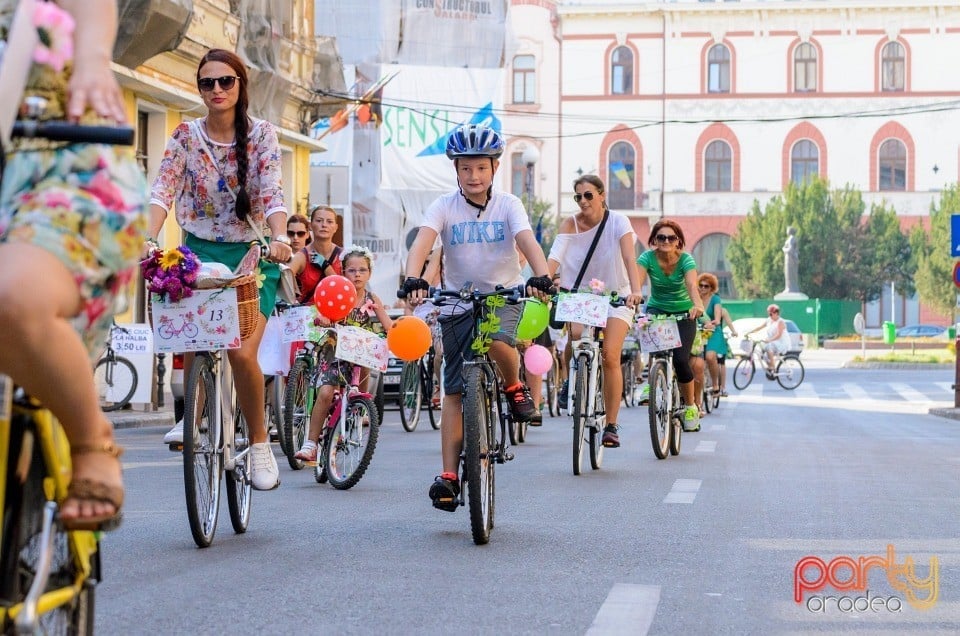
586, 309
659, 335
206, 321
362, 347
298, 324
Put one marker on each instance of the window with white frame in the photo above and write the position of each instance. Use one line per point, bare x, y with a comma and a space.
621, 71
621, 177
718, 167
718, 69
893, 166
893, 67
804, 161
805, 68
524, 80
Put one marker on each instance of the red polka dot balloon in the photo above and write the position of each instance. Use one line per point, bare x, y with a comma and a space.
334, 297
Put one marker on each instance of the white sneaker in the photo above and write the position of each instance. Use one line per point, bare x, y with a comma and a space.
264, 474
175, 434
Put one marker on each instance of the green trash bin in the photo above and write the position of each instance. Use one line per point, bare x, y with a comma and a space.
952, 332
889, 332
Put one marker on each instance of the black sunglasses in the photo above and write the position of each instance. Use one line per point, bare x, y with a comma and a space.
297, 233
667, 238
586, 195
226, 82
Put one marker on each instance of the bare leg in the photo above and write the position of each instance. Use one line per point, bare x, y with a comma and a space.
613, 336
714, 367
45, 355
320, 410
507, 360
248, 380
451, 432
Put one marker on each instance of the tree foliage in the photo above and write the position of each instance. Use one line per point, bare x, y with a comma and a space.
934, 272
843, 254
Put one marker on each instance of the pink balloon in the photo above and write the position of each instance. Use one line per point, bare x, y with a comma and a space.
537, 359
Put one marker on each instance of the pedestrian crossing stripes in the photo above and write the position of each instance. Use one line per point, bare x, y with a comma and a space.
932, 393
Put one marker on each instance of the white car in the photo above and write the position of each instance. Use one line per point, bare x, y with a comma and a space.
743, 325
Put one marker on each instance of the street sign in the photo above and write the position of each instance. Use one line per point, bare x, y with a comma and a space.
956, 273
955, 235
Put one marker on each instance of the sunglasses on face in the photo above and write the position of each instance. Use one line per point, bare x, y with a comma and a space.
226, 82
702, 286
296, 233
586, 195
666, 238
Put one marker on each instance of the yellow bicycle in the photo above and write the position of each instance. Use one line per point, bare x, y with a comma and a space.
48, 574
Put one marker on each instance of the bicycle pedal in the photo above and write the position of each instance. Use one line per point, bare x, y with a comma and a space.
176, 447
506, 457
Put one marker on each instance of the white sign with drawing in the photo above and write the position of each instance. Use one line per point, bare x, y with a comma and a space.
206, 321
585, 309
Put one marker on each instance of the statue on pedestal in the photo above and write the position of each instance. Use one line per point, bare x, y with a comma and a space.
791, 264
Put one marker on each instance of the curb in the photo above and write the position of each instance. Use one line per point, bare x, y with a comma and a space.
949, 413
918, 366
140, 419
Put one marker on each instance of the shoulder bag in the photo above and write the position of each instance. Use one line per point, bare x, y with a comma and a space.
583, 269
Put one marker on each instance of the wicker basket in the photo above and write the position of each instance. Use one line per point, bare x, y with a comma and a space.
248, 303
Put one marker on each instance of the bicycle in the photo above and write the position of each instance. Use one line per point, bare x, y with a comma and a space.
789, 371
628, 361
484, 408
551, 385
665, 408
416, 391
48, 574
166, 330
587, 405
115, 376
349, 435
298, 397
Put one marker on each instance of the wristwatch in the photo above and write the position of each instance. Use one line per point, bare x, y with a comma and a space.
282, 239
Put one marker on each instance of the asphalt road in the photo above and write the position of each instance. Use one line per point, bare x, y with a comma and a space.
703, 543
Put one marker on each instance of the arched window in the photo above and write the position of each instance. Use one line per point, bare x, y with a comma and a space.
718, 69
805, 68
524, 80
518, 173
718, 167
892, 158
621, 177
804, 161
710, 253
893, 67
621, 71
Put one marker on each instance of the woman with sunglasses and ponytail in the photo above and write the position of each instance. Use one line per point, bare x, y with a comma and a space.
223, 173
610, 262
673, 292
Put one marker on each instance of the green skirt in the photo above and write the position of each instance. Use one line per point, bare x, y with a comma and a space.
230, 254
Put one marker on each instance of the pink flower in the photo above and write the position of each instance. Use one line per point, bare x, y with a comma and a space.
597, 286
55, 29
369, 307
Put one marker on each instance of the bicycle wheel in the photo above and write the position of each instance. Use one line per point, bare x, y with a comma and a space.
273, 409
295, 415
478, 457
658, 408
239, 488
629, 384
202, 459
432, 412
790, 372
706, 397
676, 419
600, 420
349, 451
116, 380
24, 503
411, 395
553, 388
743, 373
579, 412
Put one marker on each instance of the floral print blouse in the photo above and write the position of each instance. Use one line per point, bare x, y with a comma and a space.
201, 186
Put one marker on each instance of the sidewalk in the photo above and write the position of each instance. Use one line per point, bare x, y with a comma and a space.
138, 417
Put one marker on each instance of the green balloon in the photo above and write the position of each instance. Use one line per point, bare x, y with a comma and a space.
533, 321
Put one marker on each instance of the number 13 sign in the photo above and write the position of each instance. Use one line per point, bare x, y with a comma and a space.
206, 321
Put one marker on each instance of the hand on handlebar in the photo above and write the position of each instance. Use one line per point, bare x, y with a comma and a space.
278, 252
414, 289
634, 301
540, 287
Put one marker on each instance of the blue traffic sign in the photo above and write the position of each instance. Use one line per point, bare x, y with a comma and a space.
955, 235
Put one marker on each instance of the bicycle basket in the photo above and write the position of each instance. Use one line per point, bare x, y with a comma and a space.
248, 303
746, 346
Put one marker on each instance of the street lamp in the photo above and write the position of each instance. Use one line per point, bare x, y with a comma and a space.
530, 158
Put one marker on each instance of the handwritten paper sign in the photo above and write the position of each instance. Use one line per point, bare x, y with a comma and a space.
362, 347
586, 309
659, 335
206, 321
133, 339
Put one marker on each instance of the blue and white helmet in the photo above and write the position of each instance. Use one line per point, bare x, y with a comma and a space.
474, 140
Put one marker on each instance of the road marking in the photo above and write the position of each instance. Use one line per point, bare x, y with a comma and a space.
683, 491
628, 609
805, 390
703, 446
946, 386
163, 464
908, 393
855, 391
718, 427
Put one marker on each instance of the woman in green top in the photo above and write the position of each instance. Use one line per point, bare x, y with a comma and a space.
673, 292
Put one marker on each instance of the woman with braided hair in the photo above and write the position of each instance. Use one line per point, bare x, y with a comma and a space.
223, 172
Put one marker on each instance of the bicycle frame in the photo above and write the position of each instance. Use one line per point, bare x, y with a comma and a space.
225, 435
82, 545
588, 348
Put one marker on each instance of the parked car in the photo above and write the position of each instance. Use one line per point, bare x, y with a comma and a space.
921, 331
391, 377
743, 325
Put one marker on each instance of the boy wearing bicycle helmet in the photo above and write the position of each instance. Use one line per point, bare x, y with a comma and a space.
480, 230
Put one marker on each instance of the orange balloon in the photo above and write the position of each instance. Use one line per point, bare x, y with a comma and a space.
409, 339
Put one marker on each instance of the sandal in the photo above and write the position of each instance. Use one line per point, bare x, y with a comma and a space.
91, 490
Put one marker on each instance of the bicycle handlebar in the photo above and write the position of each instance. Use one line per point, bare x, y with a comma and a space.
58, 130
439, 296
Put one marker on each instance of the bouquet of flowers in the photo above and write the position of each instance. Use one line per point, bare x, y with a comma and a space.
171, 274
